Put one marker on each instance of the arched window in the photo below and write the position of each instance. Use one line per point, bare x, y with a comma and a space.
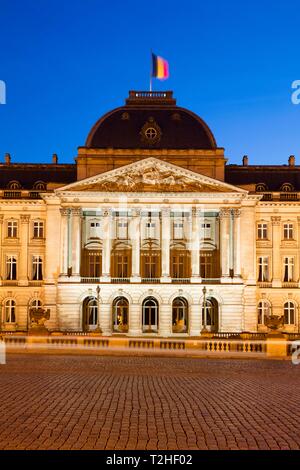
261, 187
179, 315
35, 303
289, 313
287, 187
10, 311
264, 310
14, 185
90, 313
150, 315
120, 314
210, 314
39, 185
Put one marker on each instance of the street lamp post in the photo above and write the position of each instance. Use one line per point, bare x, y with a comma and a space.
98, 329
204, 329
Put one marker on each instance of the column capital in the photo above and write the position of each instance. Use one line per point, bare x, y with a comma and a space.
76, 211
106, 212
165, 211
25, 218
276, 220
196, 212
224, 212
64, 211
1, 218
136, 212
236, 213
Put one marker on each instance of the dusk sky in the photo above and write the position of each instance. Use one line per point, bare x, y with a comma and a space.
65, 63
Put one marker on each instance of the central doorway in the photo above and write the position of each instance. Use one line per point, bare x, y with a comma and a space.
150, 315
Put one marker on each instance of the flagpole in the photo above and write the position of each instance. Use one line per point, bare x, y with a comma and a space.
151, 65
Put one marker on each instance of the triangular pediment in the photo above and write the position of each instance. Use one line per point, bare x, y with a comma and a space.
151, 175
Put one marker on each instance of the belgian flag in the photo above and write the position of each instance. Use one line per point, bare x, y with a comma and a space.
160, 67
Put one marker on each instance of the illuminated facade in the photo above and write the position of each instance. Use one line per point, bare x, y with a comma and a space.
127, 238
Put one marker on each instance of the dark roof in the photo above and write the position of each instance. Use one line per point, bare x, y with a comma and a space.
28, 174
273, 176
178, 128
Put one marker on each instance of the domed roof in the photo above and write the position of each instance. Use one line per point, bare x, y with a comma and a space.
151, 120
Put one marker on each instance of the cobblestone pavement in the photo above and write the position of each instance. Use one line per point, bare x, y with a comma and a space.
101, 402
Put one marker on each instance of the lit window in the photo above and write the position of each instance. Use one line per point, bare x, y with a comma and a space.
12, 228
10, 311
37, 268
264, 311
288, 269
263, 269
288, 231
289, 313
38, 229
262, 231
11, 268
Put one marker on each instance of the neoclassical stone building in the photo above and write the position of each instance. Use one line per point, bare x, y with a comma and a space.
150, 232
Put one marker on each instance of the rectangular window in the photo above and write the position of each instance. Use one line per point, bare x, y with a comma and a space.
11, 268
288, 231
37, 268
262, 231
122, 229
206, 266
206, 230
150, 229
263, 269
178, 229
12, 228
94, 264
95, 229
38, 229
288, 269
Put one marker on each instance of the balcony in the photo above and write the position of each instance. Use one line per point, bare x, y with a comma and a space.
90, 280
290, 285
120, 280
183, 280
151, 280
264, 284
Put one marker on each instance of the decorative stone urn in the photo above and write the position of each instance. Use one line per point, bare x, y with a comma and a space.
274, 323
38, 317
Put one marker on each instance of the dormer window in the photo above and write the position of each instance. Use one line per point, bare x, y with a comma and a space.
287, 187
261, 187
14, 185
39, 186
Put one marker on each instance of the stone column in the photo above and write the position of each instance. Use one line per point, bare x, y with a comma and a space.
24, 238
135, 320
106, 319
107, 243
1, 242
165, 244
135, 236
237, 244
224, 244
195, 246
76, 241
165, 320
195, 319
276, 262
64, 248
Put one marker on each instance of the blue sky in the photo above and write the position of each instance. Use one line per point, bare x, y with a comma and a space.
65, 63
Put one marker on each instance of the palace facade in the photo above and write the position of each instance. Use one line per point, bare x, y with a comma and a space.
150, 232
